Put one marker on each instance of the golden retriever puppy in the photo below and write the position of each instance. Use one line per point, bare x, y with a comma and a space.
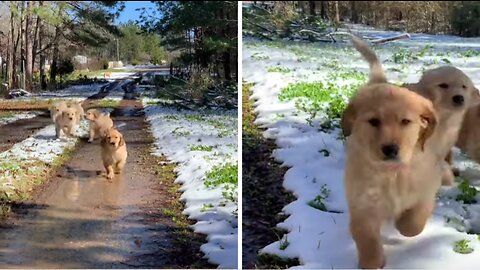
80, 113
99, 123
468, 138
57, 109
66, 122
452, 93
390, 172
114, 152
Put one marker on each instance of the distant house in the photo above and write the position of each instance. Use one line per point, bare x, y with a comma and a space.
80, 59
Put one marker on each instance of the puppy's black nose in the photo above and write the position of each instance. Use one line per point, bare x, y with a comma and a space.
390, 151
458, 100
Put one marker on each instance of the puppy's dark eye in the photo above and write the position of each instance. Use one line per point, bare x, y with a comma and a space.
443, 85
405, 122
374, 122
464, 87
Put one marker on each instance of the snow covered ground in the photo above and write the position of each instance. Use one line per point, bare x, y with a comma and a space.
16, 116
315, 155
20, 161
200, 142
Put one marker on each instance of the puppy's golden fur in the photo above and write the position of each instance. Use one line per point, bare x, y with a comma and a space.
469, 136
114, 152
452, 93
56, 109
99, 123
80, 113
65, 122
391, 173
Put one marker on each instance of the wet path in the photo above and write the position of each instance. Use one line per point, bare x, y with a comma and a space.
82, 220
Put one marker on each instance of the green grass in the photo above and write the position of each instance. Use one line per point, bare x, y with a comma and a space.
319, 201
6, 114
278, 69
462, 247
105, 103
257, 56
179, 133
225, 175
324, 96
284, 243
468, 192
205, 148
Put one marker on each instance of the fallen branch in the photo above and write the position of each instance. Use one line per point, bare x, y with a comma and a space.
384, 40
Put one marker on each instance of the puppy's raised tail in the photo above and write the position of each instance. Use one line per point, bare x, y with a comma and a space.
377, 75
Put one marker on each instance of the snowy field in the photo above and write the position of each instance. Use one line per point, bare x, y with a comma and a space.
204, 144
305, 128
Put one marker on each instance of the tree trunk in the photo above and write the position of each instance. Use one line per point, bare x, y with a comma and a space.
11, 53
312, 8
54, 65
337, 14
226, 66
41, 29
354, 12
28, 48
323, 10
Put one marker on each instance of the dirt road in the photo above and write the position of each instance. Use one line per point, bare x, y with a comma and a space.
82, 220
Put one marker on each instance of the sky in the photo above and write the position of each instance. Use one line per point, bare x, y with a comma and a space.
129, 13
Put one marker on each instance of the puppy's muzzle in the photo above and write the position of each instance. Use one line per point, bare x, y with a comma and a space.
458, 100
390, 151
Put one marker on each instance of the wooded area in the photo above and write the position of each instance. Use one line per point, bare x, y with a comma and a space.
436, 17
44, 35
203, 33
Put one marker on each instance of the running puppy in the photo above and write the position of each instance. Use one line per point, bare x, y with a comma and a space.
391, 173
65, 122
56, 109
80, 113
114, 152
468, 138
452, 93
99, 123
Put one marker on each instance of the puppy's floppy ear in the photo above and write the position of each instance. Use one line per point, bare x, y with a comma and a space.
429, 120
348, 118
476, 96
122, 141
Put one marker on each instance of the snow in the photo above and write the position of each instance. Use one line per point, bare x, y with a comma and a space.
42, 147
17, 116
175, 132
321, 239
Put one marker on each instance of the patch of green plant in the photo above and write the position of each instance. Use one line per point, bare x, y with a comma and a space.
178, 133
225, 175
222, 174
278, 69
205, 148
6, 114
271, 261
462, 247
469, 53
258, 56
468, 192
319, 201
284, 242
194, 117
206, 207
